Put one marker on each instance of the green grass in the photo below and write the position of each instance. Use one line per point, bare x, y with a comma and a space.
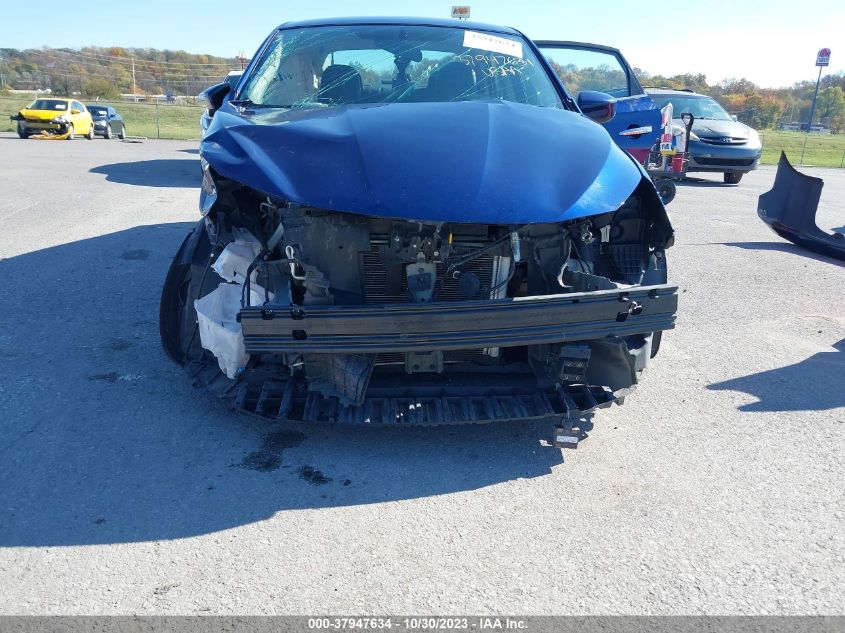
175, 121
822, 150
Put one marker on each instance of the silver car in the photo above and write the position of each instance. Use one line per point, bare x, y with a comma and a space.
718, 141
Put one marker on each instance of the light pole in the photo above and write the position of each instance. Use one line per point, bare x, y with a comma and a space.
822, 60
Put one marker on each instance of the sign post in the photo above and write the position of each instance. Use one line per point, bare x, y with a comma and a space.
822, 60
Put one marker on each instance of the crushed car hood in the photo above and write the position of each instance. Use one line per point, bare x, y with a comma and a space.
491, 162
41, 115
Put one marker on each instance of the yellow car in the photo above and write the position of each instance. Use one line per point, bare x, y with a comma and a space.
55, 118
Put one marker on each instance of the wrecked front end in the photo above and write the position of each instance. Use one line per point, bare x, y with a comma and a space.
42, 125
300, 312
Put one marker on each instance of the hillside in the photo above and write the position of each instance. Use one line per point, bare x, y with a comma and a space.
107, 72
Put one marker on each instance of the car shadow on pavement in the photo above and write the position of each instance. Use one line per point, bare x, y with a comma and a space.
165, 172
815, 384
784, 247
105, 440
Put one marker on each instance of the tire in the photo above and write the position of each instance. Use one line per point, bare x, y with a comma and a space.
90, 135
21, 133
666, 190
108, 133
733, 177
71, 133
177, 317
122, 135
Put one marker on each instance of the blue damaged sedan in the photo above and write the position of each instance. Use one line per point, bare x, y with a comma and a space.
411, 222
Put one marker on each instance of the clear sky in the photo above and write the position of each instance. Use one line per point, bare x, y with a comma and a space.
771, 42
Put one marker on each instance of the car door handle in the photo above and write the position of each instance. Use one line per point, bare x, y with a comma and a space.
636, 131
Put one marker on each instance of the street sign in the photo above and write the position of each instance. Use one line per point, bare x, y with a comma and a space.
822, 58
461, 12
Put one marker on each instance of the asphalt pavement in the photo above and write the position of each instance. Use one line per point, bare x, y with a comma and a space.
718, 488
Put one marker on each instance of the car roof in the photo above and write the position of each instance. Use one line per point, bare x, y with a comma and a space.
598, 47
401, 21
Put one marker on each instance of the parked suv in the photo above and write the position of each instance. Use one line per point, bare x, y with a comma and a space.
718, 141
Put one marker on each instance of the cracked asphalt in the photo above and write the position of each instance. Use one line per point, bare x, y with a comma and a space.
718, 488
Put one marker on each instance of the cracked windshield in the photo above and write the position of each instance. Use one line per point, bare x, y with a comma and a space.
334, 66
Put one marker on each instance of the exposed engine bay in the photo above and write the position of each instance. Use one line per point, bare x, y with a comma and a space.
311, 314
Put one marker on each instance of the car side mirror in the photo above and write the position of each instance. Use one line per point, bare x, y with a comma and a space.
733, 116
76, 111
215, 96
599, 106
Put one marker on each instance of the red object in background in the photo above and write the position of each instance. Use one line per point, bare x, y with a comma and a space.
678, 163
641, 155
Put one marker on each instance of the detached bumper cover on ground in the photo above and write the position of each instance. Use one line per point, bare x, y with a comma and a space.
790, 210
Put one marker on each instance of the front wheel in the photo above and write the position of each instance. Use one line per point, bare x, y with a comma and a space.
733, 177
122, 135
71, 133
21, 133
90, 135
666, 190
108, 132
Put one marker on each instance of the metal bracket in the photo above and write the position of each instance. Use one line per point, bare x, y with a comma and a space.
424, 362
421, 277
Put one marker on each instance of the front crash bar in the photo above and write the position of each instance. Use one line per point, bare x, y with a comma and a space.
374, 329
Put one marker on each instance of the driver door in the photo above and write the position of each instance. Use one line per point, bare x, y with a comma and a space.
80, 118
636, 126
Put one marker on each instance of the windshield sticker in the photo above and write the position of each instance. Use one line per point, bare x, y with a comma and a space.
487, 42
495, 65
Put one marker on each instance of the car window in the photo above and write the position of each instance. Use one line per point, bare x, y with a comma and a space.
360, 64
586, 69
78, 106
98, 110
48, 104
700, 107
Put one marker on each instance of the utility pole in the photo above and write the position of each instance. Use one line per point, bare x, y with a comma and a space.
134, 87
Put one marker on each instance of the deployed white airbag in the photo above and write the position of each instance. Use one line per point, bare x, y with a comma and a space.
220, 332
236, 259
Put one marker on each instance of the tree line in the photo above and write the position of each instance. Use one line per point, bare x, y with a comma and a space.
107, 72
766, 107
